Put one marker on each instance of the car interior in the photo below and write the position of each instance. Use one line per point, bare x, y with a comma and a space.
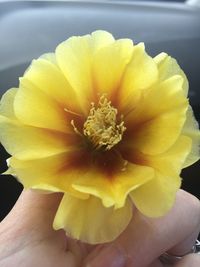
31, 28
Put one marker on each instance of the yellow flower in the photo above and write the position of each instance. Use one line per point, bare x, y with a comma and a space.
104, 123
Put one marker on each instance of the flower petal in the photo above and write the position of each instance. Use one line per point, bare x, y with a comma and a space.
92, 223
34, 107
133, 177
27, 142
47, 174
168, 163
157, 123
45, 75
6, 105
157, 136
139, 74
94, 182
74, 57
171, 162
191, 129
108, 66
168, 67
115, 190
157, 196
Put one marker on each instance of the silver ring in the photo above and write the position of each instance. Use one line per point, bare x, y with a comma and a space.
171, 259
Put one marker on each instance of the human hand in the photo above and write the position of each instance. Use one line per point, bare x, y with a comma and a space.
27, 238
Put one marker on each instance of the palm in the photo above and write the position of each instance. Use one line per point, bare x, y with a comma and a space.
28, 240
47, 251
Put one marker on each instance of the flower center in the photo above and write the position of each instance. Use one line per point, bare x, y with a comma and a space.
101, 127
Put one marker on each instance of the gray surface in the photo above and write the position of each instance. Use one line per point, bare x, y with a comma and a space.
28, 29
35, 28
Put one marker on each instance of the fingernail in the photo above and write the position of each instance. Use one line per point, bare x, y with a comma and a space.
110, 256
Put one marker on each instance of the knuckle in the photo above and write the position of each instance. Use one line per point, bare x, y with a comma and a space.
193, 206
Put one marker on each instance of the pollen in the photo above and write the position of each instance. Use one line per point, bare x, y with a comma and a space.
102, 127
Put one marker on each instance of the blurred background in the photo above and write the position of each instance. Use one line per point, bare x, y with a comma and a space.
30, 28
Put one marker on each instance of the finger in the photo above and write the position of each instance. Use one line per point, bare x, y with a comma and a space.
29, 226
33, 211
145, 239
186, 245
78, 249
191, 260
157, 263
32, 218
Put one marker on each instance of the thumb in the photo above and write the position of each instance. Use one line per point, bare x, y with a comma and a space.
33, 211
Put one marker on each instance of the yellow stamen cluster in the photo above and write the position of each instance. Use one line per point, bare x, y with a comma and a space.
101, 126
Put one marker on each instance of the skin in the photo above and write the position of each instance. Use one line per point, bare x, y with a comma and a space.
28, 240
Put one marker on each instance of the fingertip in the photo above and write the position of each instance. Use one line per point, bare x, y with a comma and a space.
34, 209
110, 256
